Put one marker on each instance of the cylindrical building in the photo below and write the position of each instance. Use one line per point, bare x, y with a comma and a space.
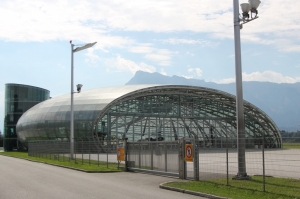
18, 99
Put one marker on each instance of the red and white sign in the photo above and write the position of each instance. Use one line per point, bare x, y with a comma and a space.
189, 153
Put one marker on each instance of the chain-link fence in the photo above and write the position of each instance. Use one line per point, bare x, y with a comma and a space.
260, 160
215, 161
85, 152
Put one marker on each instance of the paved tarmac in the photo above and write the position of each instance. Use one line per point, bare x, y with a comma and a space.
30, 180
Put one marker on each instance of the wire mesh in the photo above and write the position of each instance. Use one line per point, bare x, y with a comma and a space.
85, 152
260, 160
215, 161
156, 156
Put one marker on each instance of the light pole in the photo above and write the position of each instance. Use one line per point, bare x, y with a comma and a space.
238, 24
72, 92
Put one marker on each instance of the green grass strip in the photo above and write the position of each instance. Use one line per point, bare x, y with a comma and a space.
276, 188
89, 166
287, 145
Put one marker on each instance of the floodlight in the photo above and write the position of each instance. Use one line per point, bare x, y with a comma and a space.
254, 4
245, 8
79, 87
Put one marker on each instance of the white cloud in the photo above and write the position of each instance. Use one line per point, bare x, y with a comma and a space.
163, 72
92, 20
120, 64
142, 48
204, 43
161, 56
92, 58
266, 76
197, 72
187, 77
189, 53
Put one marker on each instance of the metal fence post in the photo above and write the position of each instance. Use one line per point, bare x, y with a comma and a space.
106, 154
98, 154
196, 160
151, 155
125, 152
89, 152
140, 149
227, 172
181, 158
263, 160
166, 157
82, 151
75, 149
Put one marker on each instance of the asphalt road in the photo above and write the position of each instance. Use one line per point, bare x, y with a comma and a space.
30, 180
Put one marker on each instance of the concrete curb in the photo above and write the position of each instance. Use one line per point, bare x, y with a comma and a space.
82, 170
162, 186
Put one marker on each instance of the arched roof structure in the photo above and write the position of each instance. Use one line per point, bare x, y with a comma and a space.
145, 112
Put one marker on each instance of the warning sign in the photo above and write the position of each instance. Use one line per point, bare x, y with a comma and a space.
189, 152
120, 154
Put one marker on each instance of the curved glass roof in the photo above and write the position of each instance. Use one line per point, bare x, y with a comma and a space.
115, 110
87, 100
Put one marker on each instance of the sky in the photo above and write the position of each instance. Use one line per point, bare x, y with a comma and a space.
192, 39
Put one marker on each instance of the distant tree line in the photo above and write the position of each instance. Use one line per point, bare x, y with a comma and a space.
1, 139
290, 136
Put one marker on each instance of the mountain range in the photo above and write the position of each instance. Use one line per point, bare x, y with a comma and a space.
280, 101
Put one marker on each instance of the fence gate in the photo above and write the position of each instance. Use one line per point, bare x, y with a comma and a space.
172, 158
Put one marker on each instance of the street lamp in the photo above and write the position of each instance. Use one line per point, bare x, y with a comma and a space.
72, 92
238, 24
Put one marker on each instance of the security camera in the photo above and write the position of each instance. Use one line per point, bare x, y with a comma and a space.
79, 87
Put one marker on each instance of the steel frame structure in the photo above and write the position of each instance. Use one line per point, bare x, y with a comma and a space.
169, 112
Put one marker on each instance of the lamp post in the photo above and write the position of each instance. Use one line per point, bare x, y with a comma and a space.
72, 92
238, 24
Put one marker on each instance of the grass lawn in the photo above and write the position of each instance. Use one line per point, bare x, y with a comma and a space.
287, 145
93, 167
276, 188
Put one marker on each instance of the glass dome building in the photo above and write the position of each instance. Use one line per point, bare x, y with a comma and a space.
147, 112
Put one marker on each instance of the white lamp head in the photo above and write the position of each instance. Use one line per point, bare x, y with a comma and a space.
254, 4
79, 87
245, 7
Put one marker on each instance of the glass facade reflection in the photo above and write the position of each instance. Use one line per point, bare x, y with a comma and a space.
147, 112
18, 99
